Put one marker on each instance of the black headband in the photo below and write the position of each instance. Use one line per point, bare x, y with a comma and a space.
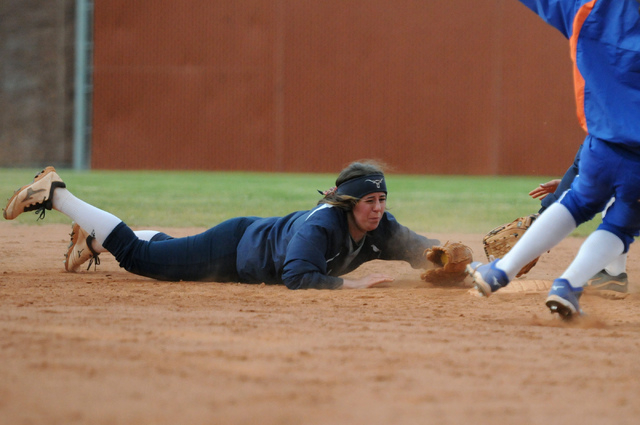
363, 185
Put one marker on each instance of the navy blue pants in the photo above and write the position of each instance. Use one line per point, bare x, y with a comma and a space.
208, 256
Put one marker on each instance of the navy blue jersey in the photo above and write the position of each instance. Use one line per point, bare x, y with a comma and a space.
308, 249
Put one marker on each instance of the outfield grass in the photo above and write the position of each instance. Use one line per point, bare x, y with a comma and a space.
460, 204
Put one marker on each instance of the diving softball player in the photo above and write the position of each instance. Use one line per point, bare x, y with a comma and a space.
305, 249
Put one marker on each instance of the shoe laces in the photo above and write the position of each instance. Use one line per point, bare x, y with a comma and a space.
40, 211
95, 259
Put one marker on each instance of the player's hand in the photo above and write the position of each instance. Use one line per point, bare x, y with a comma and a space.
367, 281
544, 189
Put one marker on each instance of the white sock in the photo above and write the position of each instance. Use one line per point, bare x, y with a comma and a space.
617, 266
90, 218
145, 235
600, 249
553, 225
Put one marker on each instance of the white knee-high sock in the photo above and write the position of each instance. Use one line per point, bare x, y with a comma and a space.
600, 249
90, 218
617, 266
145, 235
553, 225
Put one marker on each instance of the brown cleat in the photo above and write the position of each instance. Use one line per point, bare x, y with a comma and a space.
606, 286
80, 250
36, 196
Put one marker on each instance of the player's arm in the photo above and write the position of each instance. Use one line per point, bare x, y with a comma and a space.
367, 281
305, 265
398, 242
557, 13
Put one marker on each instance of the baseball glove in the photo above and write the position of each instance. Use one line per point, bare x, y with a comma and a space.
500, 240
450, 261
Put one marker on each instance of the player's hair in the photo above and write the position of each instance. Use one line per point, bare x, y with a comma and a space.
352, 171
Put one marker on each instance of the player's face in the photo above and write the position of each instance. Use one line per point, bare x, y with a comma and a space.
367, 214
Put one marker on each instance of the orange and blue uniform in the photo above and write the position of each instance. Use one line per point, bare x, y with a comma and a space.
604, 39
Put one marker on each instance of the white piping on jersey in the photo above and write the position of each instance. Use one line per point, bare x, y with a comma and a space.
333, 258
321, 207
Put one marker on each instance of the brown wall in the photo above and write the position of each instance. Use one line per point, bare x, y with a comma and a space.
36, 82
430, 87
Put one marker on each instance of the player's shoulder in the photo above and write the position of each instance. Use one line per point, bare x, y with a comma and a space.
323, 212
324, 216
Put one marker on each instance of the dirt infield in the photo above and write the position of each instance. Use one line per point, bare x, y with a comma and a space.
108, 347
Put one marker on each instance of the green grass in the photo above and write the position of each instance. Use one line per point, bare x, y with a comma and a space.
437, 204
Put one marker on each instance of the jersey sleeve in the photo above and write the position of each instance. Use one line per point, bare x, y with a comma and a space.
557, 13
403, 244
305, 265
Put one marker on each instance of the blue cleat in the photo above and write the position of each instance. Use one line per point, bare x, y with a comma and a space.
487, 278
563, 299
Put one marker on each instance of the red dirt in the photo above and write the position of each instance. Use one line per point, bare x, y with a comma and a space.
108, 347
